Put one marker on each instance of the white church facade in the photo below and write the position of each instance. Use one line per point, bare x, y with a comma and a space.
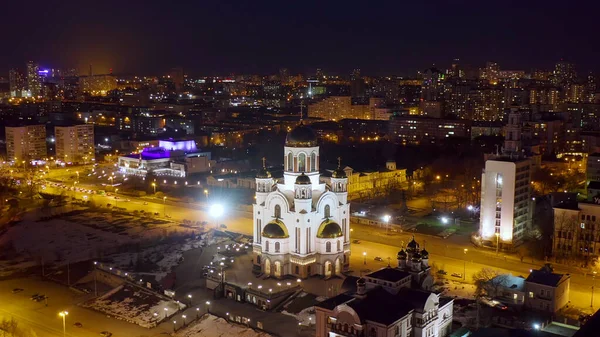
301, 224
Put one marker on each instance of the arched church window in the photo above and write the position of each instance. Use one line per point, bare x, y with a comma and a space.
266, 246
339, 245
301, 162
328, 247
277, 212
313, 162
290, 162
277, 247
327, 211
297, 270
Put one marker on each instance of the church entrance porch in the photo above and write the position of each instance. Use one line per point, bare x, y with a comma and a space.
267, 267
277, 269
328, 271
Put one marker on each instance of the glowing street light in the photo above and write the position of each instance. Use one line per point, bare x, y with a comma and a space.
154, 186
365, 256
386, 219
206, 194
216, 211
165, 206
208, 307
64, 315
465, 264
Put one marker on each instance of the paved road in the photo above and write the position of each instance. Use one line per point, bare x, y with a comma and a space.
448, 254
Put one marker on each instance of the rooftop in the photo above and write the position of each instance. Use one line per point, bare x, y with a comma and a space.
389, 274
379, 306
333, 302
544, 277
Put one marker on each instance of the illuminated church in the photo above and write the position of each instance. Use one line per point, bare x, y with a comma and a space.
301, 224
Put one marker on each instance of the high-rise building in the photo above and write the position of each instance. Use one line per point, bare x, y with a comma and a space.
564, 73
505, 193
26, 143
75, 144
336, 108
34, 83
491, 72
16, 82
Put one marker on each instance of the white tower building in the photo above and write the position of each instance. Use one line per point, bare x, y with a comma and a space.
301, 225
506, 206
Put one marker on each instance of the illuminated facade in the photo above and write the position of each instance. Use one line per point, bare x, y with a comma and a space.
75, 144
26, 143
301, 225
505, 200
336, 108
175, 158
34, 82
97, 85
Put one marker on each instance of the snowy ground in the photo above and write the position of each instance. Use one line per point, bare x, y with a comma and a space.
163, 257
76, 237
212, 326
134, 305
457, 289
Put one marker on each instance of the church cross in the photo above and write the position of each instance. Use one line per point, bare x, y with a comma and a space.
264, 160
339, 162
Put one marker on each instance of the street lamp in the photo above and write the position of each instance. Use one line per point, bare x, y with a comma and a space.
116, 198
184, 317
190, 297
387, 218
154, 186
365, 256
165, 206
497, 242
206, 194
216, 211
465, 264
166, 311
208, 307
64, 315
593, 284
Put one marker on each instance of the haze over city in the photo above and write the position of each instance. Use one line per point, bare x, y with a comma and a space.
327, 169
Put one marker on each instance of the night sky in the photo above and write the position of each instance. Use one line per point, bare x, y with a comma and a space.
244, 36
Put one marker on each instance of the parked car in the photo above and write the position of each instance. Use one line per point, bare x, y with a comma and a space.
77, 324
501, 306
459, 275
40, 298
105, 334
378, 258
17, 290
145, 203
356, 241
442, 272
34, 296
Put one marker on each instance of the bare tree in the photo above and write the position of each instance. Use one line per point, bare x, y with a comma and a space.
488, 281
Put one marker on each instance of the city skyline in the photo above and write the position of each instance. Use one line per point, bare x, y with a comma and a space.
217, 38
